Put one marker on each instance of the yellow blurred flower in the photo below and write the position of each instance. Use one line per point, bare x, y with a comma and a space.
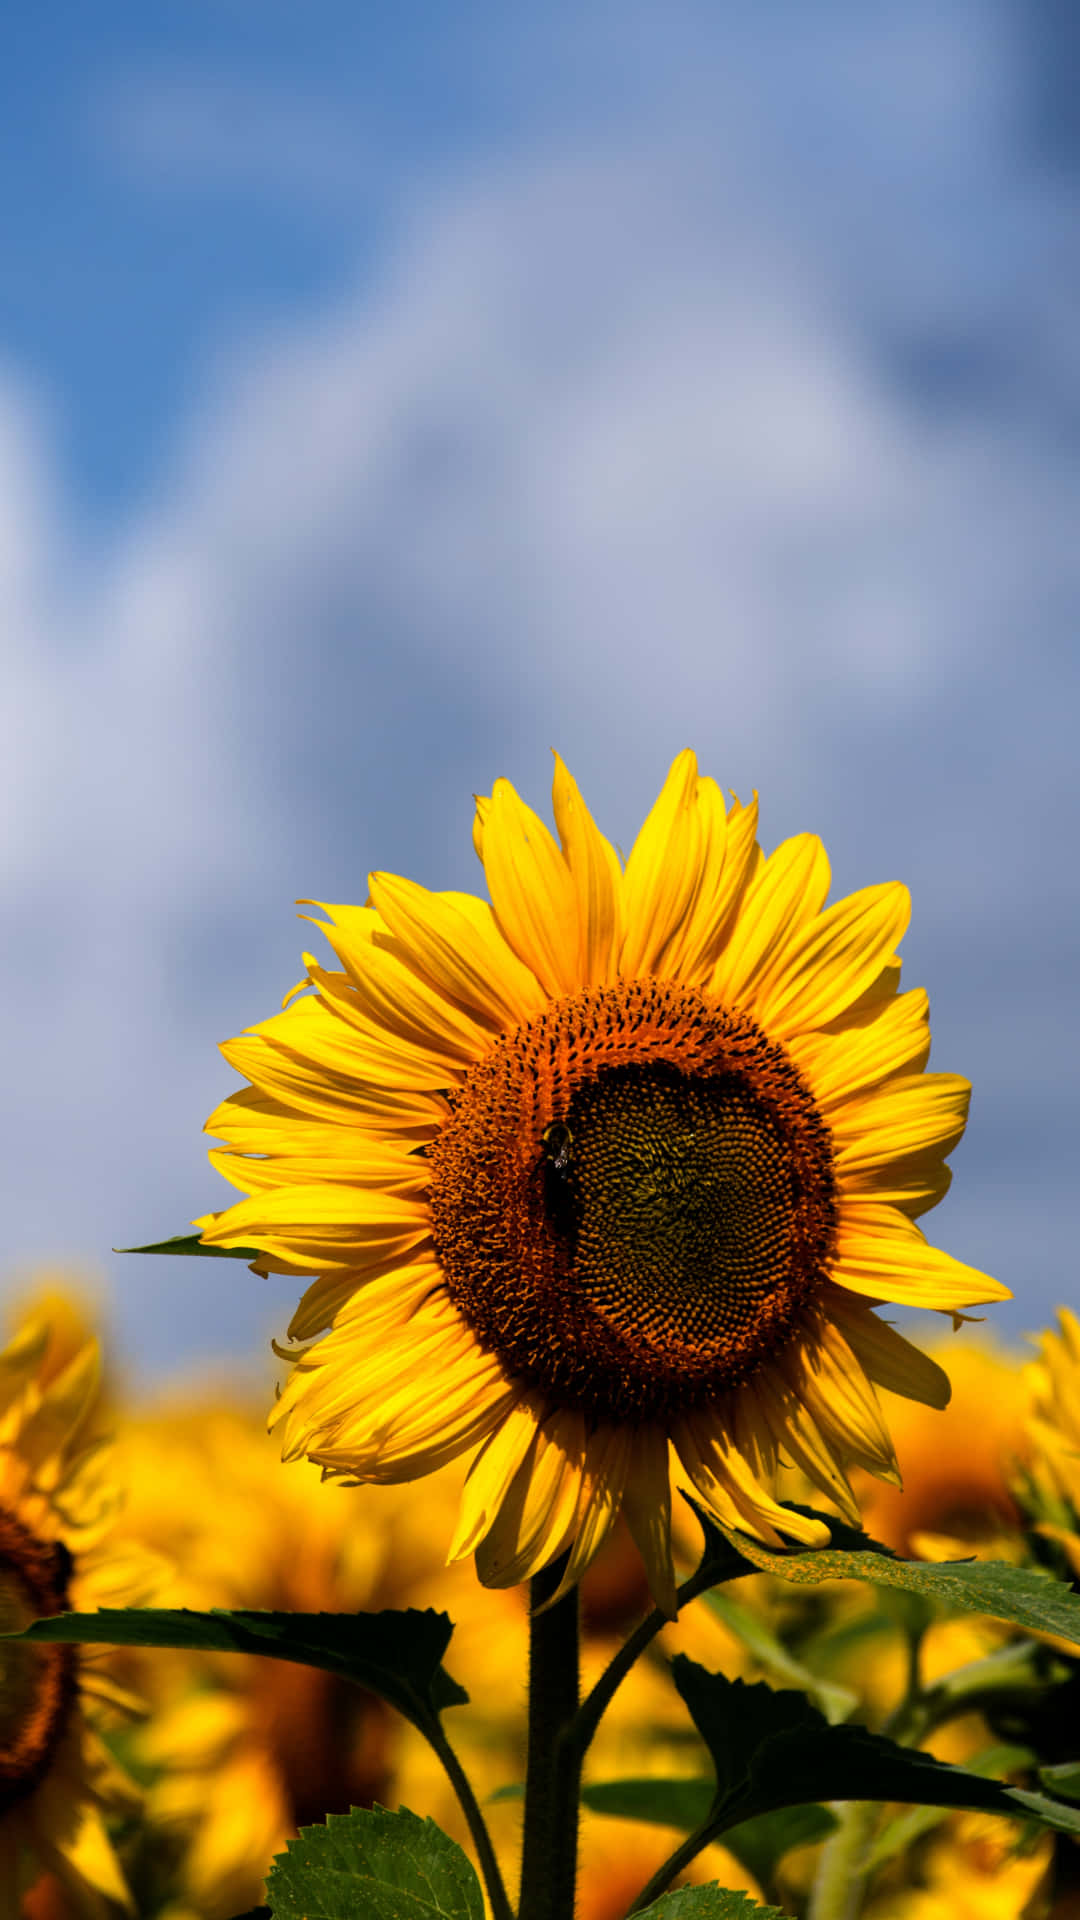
244, 1750
1052, 1383
972, 1870
58, 1499
957, 1465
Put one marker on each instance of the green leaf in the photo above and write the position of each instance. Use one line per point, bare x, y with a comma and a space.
374, 1866
1063, 1779
1024, 1596
899, 1833
707, 1903
685, 1804
397, 1655
774, 1749
190, 1243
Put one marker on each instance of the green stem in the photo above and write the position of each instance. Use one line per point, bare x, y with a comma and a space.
481, 1839
675, 1862
553, 1767
841, 1876
596, 1703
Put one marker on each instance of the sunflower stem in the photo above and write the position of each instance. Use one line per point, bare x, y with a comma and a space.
596, 1703
665, 1873
481, 1839
553, 1767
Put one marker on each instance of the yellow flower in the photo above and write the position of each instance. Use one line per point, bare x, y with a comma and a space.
620, 1162
974, 1871
243, 1751
57, 1501
1053, 1427
951, 1486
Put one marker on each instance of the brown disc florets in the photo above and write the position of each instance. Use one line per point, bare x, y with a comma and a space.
633, 1199
37, 1683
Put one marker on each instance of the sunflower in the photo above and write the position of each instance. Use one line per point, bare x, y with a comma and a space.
1052, 1384
618, 1164
57, 1500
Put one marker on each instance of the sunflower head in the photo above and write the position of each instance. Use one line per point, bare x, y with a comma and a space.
614, 1167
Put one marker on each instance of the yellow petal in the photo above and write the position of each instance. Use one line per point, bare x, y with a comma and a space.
454, 942
913, 1184
890, 1038
532, 892
534, 1523
797, 1437
320, 1226
402, 1050
74, 1843
597, 881
647, 1506
726, 1484
421, 1432
391, 993
394, 1287
663, 873
321, 1042
253, 1121
64, 1406
905, 1116
889, 1360
785, 896
373, 1163
489, 1478
607, 1462
883, 1255
833, 960
823, 1374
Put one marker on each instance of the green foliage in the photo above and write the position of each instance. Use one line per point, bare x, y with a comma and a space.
706, 1903
900, 1832
189, 1243
774, 1749
686, 1805
374, 1866
1063, 1780
1024, 1596
397, 1655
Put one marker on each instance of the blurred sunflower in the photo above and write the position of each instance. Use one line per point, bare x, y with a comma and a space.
1052, 1383
951, 1488
975, 1868
58, 1498
242, 1751
620, 1162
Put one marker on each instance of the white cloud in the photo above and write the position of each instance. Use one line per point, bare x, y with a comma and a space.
595, 463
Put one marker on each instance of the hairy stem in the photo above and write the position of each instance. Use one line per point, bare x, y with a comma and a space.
596, 1703
666, 1871
553, 1768
481, 1839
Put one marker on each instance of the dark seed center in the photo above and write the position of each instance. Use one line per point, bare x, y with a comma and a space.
675, 1203
633, 1200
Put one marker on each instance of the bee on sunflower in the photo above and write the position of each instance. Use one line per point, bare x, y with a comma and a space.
58, 1782
616, 1167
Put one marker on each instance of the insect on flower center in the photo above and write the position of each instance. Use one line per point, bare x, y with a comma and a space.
37, 1683
633, 1199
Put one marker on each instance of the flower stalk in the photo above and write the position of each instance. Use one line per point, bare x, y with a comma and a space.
553, 1768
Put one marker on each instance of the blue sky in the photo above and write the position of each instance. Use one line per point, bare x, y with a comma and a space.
388, 397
